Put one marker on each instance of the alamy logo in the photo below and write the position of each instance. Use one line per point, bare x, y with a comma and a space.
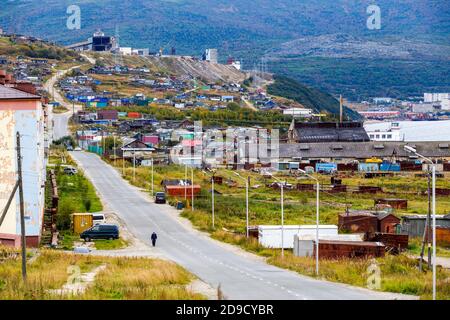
74, 20
374, 20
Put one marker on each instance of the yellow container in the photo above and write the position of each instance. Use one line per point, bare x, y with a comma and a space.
81, 222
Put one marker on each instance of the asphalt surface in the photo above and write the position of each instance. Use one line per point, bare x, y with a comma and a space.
241, 275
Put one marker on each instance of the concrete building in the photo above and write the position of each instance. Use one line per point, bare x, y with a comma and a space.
211, 55
24, 113
388, 133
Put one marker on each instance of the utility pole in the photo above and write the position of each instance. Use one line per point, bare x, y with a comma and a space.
22, 211
427, 229
341, 102
153, 191
192, 188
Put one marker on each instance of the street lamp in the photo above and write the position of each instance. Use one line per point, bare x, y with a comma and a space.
433, 168
212, 196
317, 216
282, 215
246, 201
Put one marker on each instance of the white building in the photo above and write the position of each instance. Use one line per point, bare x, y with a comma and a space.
298, 112
435, 97
409, 131
127, 51
270, 236
445, 104
211, 55
237, 65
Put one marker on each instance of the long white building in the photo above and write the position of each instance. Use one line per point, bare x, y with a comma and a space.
409, 131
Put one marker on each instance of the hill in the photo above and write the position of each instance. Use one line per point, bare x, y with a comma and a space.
309, 97
302, 39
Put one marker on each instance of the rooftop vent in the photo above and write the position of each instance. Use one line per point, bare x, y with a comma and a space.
443, 145
378, 146
304, 147
337, 147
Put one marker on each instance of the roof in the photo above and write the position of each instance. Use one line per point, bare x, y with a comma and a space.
11, 93
361, 150
330, 132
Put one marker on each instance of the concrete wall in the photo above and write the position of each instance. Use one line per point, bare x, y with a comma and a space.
27, 117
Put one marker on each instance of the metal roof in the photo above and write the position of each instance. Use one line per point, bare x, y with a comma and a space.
359, 150
11, 93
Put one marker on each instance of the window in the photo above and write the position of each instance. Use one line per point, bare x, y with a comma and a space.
389, 136
378, 136
383, 136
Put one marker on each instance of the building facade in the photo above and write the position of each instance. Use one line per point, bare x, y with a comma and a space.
24, 113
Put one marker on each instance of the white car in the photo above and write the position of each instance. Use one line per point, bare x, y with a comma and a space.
77, 149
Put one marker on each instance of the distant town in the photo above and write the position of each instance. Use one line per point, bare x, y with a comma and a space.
144, 142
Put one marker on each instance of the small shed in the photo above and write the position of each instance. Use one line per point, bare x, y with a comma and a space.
414, 225
82, 222
387, 222
358, 221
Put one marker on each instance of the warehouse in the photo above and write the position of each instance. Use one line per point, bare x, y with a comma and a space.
348, 151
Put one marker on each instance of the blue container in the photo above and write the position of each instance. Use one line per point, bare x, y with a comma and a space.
387, 166
326, 167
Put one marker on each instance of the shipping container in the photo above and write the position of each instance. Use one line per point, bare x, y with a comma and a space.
304, 245
82, 222
270, 236
180, 191
387, 166
350, 249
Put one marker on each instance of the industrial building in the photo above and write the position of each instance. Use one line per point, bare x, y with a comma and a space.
22, 112
343, 152
300, 132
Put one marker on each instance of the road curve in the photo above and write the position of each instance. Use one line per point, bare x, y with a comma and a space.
242, 276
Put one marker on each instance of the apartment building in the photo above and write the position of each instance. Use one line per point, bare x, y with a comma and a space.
22, 112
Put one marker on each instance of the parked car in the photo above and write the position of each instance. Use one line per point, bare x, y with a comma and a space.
70, 171
101, 231
69, 148
98, 218
160, 197
77, 149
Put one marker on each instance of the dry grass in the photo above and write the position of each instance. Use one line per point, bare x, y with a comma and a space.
123, 278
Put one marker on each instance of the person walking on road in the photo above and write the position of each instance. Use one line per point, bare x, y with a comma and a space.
154, 237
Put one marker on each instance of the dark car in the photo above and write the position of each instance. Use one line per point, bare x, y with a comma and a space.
101, 231
160, 197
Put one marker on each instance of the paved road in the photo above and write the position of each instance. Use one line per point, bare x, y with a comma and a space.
241, 275
60, 121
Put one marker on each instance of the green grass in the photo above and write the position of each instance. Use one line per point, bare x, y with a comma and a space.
399, 273
110, 244
123, 278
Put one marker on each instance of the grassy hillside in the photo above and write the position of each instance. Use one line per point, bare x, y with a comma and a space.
9, 47
362, 78
194, 24
307, 96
